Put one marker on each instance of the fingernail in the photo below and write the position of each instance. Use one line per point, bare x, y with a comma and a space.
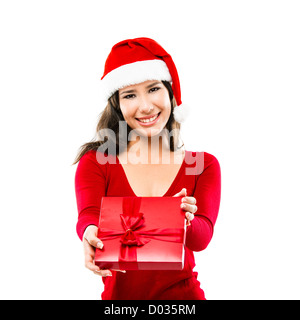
182, 205
100, 245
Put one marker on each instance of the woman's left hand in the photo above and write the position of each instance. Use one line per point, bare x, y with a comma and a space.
188, 204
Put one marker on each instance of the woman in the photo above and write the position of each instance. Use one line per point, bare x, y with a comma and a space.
137, 153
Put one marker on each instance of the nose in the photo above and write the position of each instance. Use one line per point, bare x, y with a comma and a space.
145, 104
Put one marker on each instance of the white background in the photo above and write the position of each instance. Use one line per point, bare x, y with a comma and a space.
239, 68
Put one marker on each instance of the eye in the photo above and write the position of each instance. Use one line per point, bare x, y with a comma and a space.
154, 89
129, 96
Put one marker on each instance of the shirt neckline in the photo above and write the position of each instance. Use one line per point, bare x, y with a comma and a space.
171, 187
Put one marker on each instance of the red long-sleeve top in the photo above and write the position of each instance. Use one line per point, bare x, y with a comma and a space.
94, 181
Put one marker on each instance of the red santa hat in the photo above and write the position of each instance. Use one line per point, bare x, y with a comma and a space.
137, 60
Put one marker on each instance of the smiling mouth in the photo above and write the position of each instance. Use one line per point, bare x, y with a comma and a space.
149, 119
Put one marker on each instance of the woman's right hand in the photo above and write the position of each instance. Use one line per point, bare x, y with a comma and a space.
90, 242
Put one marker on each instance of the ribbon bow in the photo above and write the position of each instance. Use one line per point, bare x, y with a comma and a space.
130, 224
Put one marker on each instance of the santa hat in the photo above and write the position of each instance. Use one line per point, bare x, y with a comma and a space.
137, 60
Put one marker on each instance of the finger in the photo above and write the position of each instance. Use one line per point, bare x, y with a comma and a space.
89, 254
189, 200
88, 249
103, 273
192, 208
95, 242
89, 262
123, 271
182, 193
189, 216
91, 266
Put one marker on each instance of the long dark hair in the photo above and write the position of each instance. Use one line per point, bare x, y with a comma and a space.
109, 119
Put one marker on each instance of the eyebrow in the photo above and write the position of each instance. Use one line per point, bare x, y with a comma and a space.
149, 86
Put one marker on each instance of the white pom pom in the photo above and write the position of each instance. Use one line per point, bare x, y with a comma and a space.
181, 112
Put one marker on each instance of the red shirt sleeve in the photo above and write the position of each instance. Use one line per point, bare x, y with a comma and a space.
208, 195
90, 186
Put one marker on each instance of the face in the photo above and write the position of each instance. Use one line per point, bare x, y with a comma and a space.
146, 107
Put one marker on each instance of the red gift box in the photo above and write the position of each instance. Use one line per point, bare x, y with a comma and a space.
141, 233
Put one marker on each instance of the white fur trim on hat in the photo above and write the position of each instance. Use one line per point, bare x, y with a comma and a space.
134, 73
181, 112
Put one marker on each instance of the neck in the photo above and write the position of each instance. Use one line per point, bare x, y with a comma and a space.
149, 150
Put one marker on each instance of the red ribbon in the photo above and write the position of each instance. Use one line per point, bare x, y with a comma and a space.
134, 235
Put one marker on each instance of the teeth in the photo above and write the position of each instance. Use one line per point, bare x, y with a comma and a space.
148, 120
